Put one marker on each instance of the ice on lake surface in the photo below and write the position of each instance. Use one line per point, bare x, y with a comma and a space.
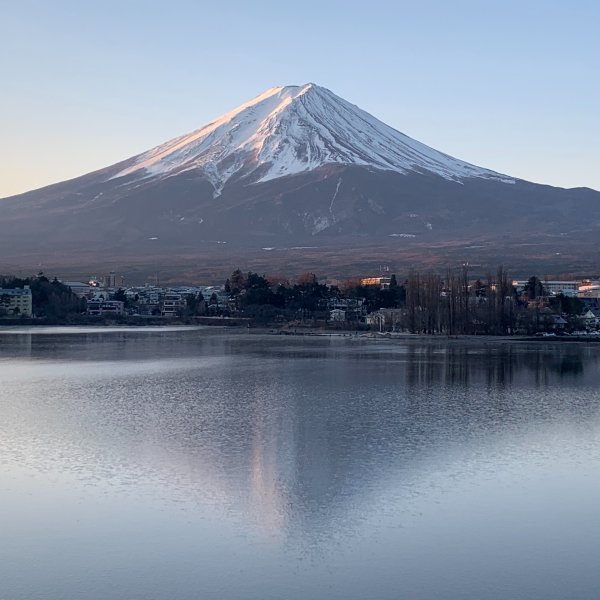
204, 464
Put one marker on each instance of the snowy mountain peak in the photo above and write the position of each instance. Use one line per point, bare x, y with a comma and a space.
290, 130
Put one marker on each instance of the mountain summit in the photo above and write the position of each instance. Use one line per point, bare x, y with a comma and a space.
290, 130
297, 176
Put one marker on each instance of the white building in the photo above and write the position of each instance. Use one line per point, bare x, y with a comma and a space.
17, 301
552, 288
173, 305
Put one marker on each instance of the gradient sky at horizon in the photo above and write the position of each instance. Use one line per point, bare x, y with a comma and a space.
511, 86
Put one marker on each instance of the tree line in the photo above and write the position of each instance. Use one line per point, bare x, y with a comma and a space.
422, 302
428, 302
452, 305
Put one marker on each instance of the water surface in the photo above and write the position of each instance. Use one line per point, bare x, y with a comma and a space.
159, 464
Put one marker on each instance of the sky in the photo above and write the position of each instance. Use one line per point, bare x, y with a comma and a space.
511, 86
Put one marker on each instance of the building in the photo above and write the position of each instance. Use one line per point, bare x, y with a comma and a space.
353, 308
105, 307
382, 282
173, 305
112, 280
337, 315
386, 319
375, 319
589, 289
551, 288
16, 302
591, 318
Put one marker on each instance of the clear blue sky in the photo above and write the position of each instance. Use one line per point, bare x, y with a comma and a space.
512, 86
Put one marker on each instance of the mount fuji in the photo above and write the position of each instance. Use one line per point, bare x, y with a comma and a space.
296, 175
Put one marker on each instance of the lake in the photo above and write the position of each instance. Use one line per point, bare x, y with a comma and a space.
200, 463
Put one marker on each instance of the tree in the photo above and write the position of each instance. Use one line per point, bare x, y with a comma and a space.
191, 304
201, 307
236, 281
413, 301
278, 280
567, 305
257, 291
255, 281
350, 286
307, 279
504, 304
120, 296
534, 288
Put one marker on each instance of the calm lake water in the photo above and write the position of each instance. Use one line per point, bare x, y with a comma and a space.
200, 464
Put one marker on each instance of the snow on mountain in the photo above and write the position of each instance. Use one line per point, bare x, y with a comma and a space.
293, 129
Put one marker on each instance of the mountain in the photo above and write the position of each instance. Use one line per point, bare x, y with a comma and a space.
297, 175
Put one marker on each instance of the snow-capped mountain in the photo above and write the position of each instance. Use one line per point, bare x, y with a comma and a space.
295, 129
296, 174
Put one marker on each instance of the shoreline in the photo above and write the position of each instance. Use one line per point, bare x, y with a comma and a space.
224, 325
389, 336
